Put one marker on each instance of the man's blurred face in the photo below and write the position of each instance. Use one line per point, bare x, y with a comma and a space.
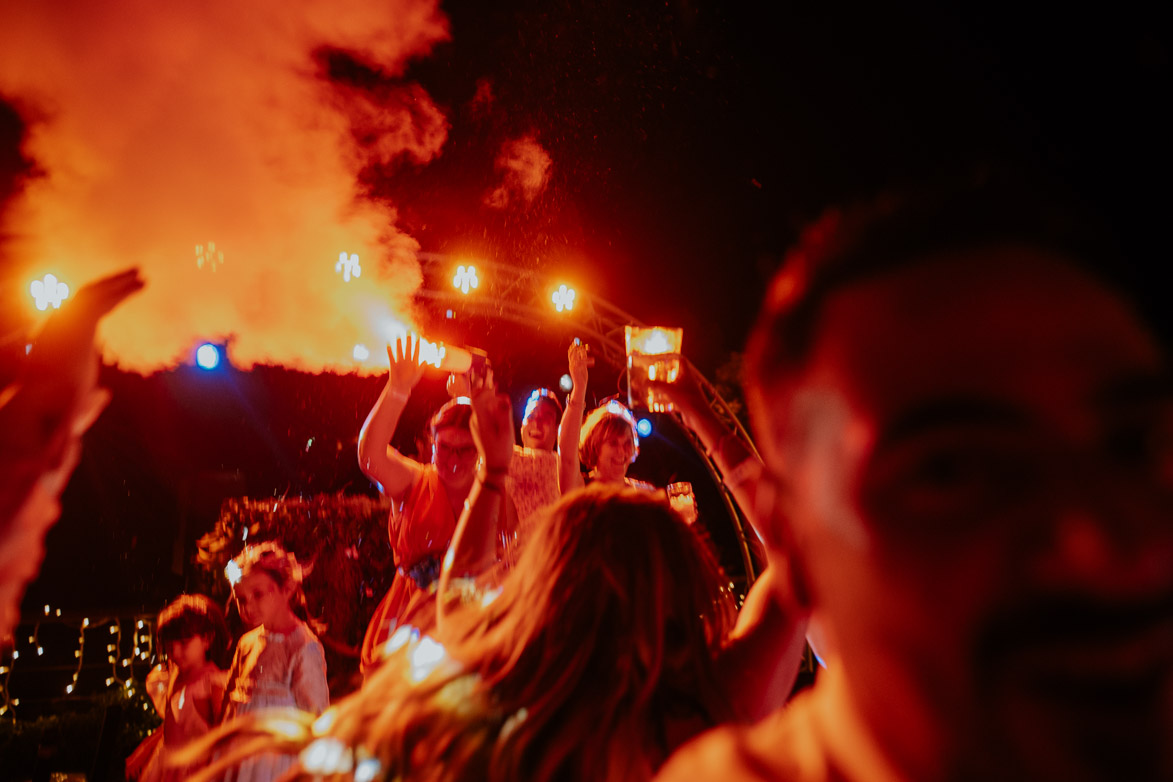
980, 452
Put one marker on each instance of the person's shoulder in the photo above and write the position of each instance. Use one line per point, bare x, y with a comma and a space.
250, 638
636, 483
210, 680
303, 636
763, 752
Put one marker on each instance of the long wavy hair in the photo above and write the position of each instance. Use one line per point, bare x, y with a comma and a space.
593, 662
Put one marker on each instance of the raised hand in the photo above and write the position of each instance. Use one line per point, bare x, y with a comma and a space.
492, 424
406, 369
579, 358
685, 393
64, 350
59, 396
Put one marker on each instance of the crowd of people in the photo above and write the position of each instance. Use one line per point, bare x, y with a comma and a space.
964, 495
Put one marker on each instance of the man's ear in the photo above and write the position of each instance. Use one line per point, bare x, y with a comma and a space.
776, 529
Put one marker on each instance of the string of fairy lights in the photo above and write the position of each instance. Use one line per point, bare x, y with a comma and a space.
112, 634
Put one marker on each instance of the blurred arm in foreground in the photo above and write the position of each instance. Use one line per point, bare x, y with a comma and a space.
43, 416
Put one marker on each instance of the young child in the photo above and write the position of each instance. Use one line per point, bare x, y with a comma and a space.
279, 663
193, 634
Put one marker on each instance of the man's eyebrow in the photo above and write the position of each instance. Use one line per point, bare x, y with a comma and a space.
947, 412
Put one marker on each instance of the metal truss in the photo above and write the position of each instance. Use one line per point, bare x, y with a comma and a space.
523, 297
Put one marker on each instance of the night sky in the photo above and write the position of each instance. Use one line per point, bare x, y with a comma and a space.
689, 144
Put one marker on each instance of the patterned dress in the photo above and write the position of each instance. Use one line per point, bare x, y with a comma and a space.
532, 483
275, 670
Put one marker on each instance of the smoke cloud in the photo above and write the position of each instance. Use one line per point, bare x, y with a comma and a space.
200, 142
524, 166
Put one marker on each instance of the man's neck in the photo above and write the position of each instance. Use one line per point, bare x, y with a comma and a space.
854, 746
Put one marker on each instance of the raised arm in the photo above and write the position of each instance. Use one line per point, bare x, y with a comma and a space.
473, 550
393, 471
739, 465
43, 416
761, 658
760, 661
569, 473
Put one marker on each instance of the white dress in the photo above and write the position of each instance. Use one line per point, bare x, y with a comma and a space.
275, 670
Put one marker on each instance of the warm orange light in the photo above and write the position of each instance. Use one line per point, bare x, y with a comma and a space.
208, 254
563, 298
653, 354
655, 341
465, 279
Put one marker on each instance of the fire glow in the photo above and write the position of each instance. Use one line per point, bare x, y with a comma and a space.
226, 130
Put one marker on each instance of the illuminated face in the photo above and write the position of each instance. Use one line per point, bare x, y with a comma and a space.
615, 454
260, 599
540, 430
455, 456
980, 458
189, 654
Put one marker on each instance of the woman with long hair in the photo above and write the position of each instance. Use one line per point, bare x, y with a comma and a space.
607, 645
594, 661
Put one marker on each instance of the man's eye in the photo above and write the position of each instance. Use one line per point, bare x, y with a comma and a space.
949, 483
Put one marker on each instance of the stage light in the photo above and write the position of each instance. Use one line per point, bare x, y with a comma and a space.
49, 291
644, 427
208, 356
361, 353
349, 266
209, 255
563, 298
566, 383
465, 279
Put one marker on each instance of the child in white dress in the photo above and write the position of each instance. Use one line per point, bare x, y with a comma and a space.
278, 664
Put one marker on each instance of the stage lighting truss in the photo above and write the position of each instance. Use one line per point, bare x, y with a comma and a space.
521, 296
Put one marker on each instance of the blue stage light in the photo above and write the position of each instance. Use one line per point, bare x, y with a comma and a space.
208, 356
644, 427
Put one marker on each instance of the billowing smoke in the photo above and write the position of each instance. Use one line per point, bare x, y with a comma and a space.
524, 166
200, 142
